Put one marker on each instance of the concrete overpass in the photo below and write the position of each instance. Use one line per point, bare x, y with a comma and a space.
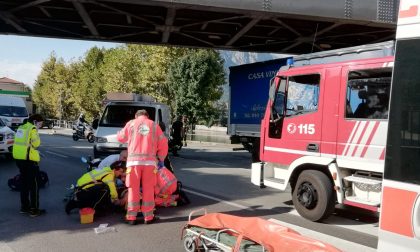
283, 26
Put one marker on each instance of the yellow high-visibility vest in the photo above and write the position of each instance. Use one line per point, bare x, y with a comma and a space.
104, 175
26, 142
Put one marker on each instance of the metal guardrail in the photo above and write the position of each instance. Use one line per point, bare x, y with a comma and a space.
197, 135
63, 124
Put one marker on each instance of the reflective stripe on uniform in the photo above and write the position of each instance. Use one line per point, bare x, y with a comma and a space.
147, 203
133, 204
142, 162
92, 177
140, 155
148, 214
168, 184
132, 213
95, 176
154, 138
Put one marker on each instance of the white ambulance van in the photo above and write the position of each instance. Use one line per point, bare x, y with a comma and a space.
6, 139
12, 111
120, 109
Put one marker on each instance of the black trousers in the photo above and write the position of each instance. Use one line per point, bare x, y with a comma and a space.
97, 197
29, 192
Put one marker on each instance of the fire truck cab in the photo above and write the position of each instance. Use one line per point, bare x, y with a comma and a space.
324, 129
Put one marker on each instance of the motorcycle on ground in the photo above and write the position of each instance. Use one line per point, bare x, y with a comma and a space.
91, 163
83, 132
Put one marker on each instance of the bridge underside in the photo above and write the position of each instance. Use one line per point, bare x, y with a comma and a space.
282, 26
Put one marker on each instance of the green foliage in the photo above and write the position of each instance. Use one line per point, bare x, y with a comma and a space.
88, 91
52, 92
196, 81
189, 80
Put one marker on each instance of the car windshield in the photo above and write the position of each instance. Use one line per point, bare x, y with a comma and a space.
13, 111
2, 123
119, 115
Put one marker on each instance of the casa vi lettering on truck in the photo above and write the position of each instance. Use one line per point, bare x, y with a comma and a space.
324, 129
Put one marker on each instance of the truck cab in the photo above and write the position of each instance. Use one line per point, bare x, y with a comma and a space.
324, 133
116, 114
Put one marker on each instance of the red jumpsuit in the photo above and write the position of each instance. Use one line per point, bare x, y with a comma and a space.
145, 144
165, 187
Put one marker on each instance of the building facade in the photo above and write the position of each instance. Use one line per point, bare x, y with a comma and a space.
16, 88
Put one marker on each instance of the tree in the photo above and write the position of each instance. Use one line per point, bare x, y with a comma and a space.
140, 69
88, 91
196, 81
51, 90
154, 73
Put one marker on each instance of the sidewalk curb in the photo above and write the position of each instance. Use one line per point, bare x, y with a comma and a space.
69, 134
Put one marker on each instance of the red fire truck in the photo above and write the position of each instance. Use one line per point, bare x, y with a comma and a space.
324, 129
399, 228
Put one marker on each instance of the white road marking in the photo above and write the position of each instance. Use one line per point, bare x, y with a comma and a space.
68, 147
358, 226
5, 248
204, 162
217, 199
56, 154
344, 245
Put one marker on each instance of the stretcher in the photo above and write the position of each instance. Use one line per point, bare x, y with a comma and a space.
228, 233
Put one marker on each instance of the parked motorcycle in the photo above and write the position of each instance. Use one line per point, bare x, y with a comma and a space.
87, 133
91, 163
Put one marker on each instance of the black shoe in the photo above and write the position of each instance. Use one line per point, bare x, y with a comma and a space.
36, 212
155, 218
131, 222
24, 211
70, 206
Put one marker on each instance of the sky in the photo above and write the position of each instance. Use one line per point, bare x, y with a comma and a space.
21, 57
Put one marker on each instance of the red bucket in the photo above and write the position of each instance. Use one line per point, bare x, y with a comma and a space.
86, 215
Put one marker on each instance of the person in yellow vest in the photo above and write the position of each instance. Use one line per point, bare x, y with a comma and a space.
27, 158
97, 189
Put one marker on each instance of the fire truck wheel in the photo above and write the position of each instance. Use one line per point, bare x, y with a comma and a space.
313, 195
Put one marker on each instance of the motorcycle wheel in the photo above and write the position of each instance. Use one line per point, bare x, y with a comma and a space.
91, 138
75, 137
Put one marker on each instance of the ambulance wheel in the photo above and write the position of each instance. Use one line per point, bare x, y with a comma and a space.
313, 195
189, 244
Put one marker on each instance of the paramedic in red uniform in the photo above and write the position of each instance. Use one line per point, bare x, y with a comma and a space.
147, 148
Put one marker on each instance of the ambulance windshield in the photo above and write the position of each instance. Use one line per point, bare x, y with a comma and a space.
117, 115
